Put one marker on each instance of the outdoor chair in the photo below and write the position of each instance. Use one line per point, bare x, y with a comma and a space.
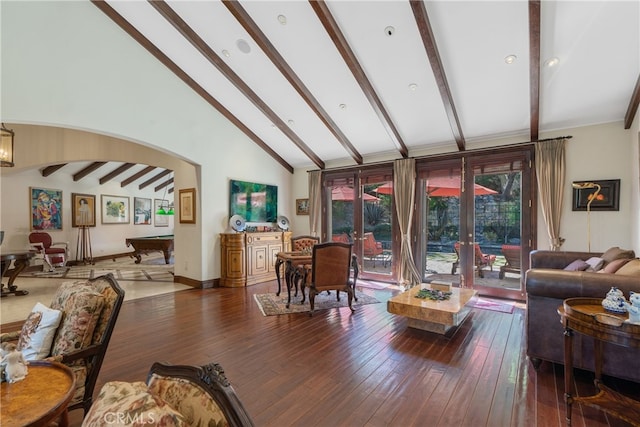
342, 237
87, 311
512, 256
173, 395
330, 270
53, 254
480, 260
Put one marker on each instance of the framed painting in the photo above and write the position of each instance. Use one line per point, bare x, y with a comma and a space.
607, 199
188, 206
83, 210
46, 208
160, 220
115, 209
141, 211
302, 206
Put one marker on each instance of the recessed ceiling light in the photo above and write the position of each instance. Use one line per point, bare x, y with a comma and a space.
389, 31
413, 87
510, 59
282, 19
243, 46
551, 62
226, 53
343, 106
291, 122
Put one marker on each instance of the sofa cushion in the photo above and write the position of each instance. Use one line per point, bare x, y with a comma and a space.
130, 404
632, 268
38, 331
81, 306
616, 253
614, 265
577, 265
595, 263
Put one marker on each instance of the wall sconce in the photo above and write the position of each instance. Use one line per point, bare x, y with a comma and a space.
6, 148
591, 198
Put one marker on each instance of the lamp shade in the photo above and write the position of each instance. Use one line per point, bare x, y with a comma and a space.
6, 148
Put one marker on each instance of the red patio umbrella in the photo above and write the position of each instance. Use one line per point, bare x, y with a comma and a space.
344, 193
441, 187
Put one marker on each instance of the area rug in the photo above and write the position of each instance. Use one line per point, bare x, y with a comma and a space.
272, 305
486, 304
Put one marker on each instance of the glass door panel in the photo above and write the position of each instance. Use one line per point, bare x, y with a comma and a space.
377, 228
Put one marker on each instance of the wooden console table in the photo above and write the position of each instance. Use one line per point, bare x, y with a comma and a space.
588, 317
21, 260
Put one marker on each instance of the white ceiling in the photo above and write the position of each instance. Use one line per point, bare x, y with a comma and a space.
597, 44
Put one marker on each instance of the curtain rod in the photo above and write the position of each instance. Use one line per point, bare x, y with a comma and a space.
515, 144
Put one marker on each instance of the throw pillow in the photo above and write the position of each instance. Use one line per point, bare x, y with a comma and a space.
38, 332
130, 404
577, 265
615, 265
595, 263
632, 268
616, 253
81, 306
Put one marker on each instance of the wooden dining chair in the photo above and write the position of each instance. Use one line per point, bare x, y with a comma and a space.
330, 270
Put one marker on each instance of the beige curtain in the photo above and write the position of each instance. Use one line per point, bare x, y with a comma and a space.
404, 181
315, 199
550, 171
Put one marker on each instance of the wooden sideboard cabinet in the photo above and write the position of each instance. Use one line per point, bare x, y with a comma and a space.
249, 258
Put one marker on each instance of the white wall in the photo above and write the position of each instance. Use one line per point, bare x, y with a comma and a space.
66, 64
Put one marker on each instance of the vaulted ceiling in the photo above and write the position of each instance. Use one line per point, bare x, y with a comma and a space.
313, 82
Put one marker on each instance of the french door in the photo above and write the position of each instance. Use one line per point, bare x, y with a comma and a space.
358, 208
475, 216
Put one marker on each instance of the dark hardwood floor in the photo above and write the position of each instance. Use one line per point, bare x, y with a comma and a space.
338, 369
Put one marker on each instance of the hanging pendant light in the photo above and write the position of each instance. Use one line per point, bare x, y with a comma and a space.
168, 210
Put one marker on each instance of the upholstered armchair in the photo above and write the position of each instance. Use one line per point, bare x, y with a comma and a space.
303, 243
74, 330
53, 254
173, 395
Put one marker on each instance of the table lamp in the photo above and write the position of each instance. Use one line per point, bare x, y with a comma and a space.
590, 198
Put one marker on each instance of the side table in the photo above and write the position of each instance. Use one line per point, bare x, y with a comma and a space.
42, 397
588, 317
21, 260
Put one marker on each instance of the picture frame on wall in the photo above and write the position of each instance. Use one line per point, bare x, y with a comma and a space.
45, 205
160, 220
141, 211
83, 210
115, 209
607, 199
302, 206
187, 206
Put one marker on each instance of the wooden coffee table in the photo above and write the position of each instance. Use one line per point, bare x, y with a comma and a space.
441, 317
40, 398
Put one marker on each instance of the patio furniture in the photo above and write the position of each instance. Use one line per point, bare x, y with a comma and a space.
480, 260
512, 256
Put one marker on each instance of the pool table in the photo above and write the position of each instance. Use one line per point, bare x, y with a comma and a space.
143, 245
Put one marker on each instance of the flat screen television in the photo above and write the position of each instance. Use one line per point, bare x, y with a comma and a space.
254, 202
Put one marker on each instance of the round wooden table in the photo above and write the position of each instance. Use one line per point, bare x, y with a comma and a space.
40, 398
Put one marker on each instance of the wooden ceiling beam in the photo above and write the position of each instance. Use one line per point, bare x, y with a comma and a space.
633, 105
121, 169
331, 26
137, 175
154, 179
281, 64
534, 68
181, 74
201, 46
429, 42
50, 170
163, 185
87, 170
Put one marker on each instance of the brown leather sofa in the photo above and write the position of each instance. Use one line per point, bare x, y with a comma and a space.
547, 286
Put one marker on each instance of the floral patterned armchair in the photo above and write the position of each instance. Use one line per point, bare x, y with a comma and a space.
87, 312
174, 395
